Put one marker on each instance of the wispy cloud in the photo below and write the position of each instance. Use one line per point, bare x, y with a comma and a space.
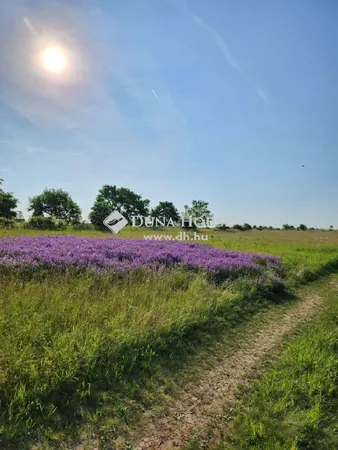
155, 95
222, 45
29, 26
218, 40
264, 95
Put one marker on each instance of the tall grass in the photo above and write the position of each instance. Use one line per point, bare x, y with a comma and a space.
69, 340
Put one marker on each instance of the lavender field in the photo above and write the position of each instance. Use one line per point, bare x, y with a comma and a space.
125, 255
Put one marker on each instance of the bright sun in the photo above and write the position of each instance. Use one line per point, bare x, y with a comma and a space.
54, 60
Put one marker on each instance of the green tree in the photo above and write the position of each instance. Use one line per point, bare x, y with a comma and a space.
57, 204
237, 227
302, 227
8, 203
200, 209
167, 211
246, 226
288, 227
111, 198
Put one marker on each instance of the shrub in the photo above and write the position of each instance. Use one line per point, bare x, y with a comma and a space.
6, 223
222, 227
44, 223
83, 226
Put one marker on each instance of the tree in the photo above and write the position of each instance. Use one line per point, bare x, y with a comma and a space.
199, 209
331, 227
166, 211
57, 204
8, 203
237, 227
246, 226
111, 198
302, 227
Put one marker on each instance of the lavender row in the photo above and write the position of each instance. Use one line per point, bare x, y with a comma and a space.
122, 255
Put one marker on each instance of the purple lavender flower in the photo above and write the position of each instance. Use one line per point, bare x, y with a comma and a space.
122, 255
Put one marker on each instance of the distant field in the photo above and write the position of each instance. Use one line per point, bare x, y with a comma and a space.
75, 344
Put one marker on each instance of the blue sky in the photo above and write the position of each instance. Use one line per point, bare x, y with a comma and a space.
217, 100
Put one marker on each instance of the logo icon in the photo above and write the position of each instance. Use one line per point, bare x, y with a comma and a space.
115, 222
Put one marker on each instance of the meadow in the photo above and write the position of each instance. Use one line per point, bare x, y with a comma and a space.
79, 342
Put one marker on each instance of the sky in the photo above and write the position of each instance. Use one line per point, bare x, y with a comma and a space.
217, 100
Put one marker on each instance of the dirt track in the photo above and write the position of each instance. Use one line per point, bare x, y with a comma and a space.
199, 404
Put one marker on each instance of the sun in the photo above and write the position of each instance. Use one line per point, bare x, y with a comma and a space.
54, 60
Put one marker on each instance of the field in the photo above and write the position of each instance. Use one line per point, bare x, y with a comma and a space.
83, 347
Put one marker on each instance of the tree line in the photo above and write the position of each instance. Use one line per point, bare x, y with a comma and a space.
55, 209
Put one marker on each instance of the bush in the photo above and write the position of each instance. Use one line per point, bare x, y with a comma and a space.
83, 226
6, 223
222, 227
44, 223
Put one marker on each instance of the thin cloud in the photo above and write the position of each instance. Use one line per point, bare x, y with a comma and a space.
155, 95
218, 40
29, 26
222, 45
264, 95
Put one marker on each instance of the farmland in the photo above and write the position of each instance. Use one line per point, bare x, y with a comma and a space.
89, 324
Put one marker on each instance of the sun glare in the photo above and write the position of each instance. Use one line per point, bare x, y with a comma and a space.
54, 60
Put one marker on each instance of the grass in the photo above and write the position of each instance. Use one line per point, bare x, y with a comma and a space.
294, 406
79, 350
69, 344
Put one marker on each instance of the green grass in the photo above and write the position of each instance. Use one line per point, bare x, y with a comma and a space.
294, 406
79, 350
72, 345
